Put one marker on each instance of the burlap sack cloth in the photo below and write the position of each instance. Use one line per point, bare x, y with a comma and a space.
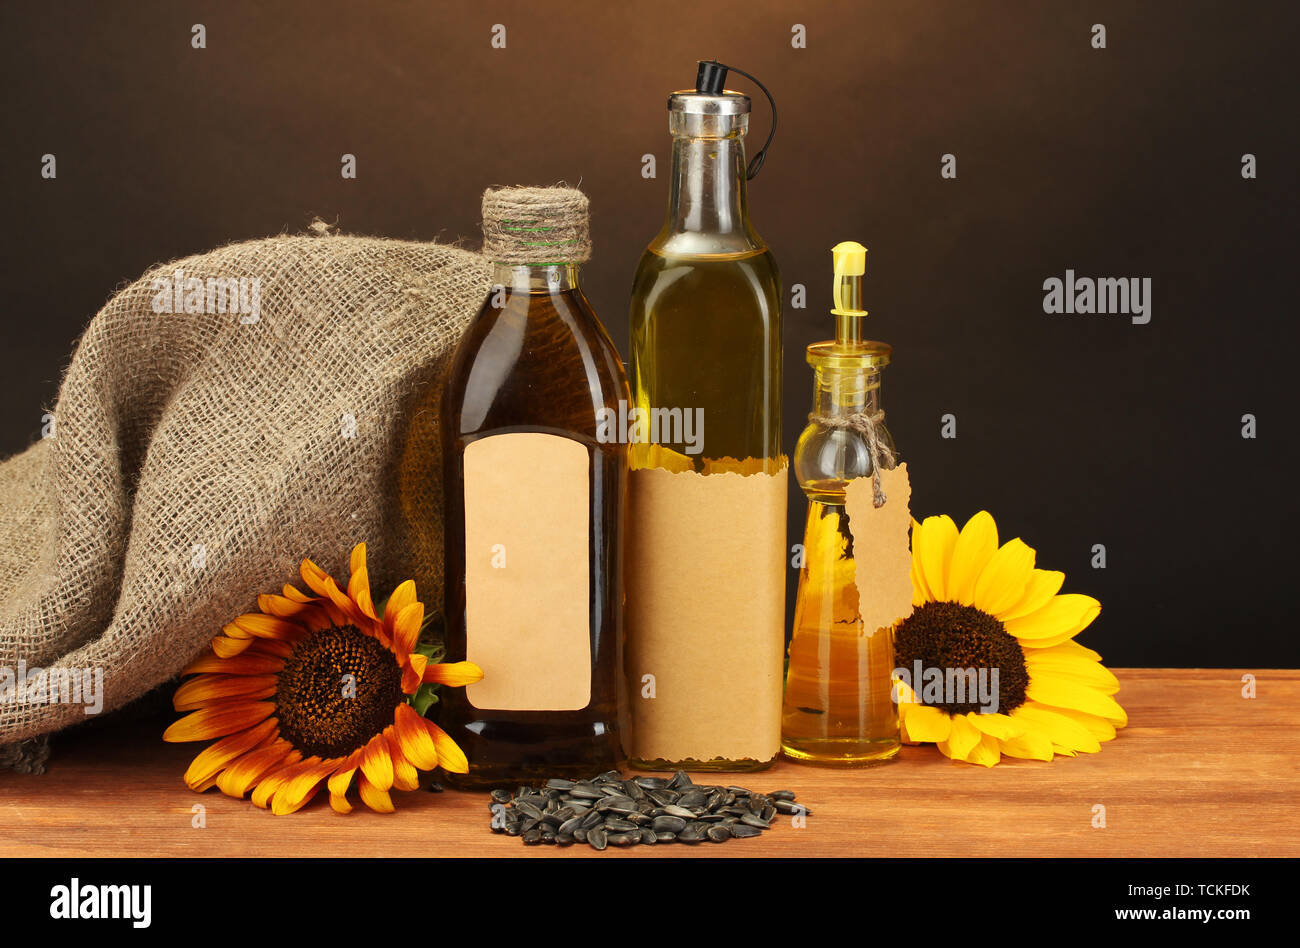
196, 458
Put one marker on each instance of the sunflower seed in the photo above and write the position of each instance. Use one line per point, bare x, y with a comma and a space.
612, 810
668, 824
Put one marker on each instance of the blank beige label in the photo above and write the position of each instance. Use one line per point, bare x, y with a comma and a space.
706, 614
527, 572
882, 552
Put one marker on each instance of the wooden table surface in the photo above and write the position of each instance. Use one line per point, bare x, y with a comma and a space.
1200, 771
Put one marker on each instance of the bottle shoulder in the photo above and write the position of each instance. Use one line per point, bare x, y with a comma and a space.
533, 361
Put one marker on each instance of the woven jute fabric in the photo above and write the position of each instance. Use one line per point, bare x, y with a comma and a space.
536, 225
195, 457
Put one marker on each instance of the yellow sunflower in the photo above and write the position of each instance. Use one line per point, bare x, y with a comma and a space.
983, 606
314, 689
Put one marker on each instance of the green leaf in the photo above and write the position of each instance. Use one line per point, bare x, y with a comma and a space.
425, 697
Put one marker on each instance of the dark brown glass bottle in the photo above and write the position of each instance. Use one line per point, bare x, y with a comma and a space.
536, 360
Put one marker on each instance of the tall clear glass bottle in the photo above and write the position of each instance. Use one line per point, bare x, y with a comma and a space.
706, 300
535, 366
706, 340
838, 706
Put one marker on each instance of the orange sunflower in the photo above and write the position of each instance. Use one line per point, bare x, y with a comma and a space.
316, 689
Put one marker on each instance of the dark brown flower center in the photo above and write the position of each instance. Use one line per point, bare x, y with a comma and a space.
956, 639
338, 689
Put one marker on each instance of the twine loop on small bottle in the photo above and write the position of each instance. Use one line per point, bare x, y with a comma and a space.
536, 226
867, 427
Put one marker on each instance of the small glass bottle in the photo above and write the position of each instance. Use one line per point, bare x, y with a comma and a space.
839, 707
527, 387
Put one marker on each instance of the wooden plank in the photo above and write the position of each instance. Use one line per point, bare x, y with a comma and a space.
1200, 771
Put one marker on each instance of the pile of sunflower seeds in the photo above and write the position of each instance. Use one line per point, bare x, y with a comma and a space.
612, 811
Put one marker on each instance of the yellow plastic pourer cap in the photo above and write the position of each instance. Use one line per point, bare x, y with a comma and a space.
850, 264
850, 258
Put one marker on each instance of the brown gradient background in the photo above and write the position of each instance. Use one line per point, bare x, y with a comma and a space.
1115, 162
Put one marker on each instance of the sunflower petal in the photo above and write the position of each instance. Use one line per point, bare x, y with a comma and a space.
1099, 728
359, 591
376, 764
925, 723
975, 546
1065, 615
406, 628
1069, 649
402, 597
292, 592
299, 791
413, 672
1044, 663
378, 800
453, 674
1031, 745
962, 738
211, 689
269, 627
1001, 726
450, 757
341, 780
339, 804
254, 662
323, 584
242, 775
414, 740
212, 759
1060, 729
226, 647
1043, 585
405, 776
268, 786
1004, 579
933, 546
219, 721
281, 606
987, 752
1063, 694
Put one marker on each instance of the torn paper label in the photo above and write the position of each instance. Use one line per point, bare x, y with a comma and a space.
706, 614
881, 548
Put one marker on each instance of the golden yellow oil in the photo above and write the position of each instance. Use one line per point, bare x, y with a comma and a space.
838, 707
706, 334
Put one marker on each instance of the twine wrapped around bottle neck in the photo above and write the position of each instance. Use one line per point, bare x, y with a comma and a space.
536, 226
868, 426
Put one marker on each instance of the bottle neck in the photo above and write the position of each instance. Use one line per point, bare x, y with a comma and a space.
551, 278
840, 392
708, 208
